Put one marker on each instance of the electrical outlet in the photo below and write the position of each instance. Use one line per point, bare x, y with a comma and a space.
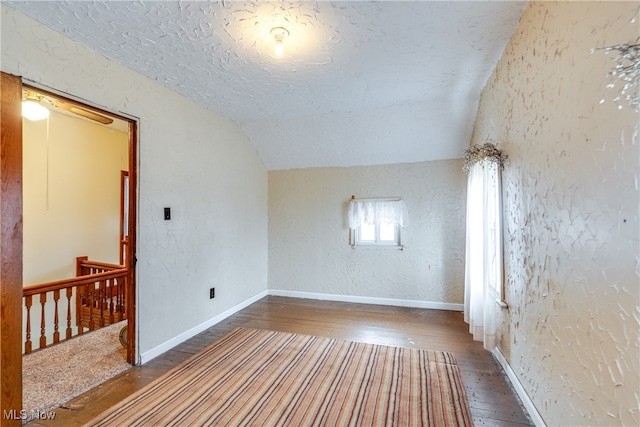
212, 293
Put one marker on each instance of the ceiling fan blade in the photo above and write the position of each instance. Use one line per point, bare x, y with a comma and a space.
88, 114
91, 115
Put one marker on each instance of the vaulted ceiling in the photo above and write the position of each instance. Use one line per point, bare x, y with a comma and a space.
360, 83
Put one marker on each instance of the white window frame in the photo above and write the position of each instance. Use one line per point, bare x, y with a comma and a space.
357, 242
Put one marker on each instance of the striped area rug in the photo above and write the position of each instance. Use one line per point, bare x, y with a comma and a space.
255, 377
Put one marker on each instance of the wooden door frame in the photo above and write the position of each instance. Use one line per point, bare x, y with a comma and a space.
131, 300
11, 249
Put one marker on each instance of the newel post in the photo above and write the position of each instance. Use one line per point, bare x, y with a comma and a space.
79, 269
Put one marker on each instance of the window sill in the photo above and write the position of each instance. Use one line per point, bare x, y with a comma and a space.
376, 247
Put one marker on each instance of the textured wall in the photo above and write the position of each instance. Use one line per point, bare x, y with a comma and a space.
571, 213
309, 247
196, 162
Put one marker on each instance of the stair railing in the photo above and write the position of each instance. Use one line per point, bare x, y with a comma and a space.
99, 290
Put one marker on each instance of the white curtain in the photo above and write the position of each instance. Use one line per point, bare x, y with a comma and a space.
483, 269
382, 211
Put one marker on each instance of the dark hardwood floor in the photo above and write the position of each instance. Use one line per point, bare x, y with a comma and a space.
492, 401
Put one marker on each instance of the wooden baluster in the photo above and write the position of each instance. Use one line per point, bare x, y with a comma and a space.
91, 301
114, 282
56, 332
102, 295
69, 295
119, 299
81, 299
108, 317
43, 338
123, 296
118, 308
27, 344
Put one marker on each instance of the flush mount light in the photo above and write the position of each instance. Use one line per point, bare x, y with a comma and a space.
32, 109
279, 33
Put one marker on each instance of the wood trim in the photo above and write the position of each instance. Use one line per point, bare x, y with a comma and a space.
11, 250
131, 246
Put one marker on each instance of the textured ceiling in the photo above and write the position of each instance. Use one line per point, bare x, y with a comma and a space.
360, 83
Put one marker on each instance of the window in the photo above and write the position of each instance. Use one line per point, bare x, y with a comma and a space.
377, 222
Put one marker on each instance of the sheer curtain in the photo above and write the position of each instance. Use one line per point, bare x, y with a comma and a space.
483, 269
371, 210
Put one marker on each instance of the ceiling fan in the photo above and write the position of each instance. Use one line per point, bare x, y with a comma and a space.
35, 97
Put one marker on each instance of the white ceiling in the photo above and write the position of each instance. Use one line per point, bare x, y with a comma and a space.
360, 83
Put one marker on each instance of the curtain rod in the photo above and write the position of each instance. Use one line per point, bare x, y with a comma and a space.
381, 199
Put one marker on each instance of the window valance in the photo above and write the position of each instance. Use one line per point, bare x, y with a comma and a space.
372, 211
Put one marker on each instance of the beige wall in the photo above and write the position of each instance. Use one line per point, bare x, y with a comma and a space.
71, 189
309, 247
571, 213
190, 159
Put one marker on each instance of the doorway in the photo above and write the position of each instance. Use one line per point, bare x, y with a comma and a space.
85, 155
13, 94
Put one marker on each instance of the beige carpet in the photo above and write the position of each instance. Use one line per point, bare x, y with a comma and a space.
55, 375
254, 377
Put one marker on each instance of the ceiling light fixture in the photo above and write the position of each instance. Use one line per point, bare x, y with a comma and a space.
32, 109
279, 33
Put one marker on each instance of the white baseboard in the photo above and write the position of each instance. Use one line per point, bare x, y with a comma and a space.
368, 300
515, 382
168, 345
